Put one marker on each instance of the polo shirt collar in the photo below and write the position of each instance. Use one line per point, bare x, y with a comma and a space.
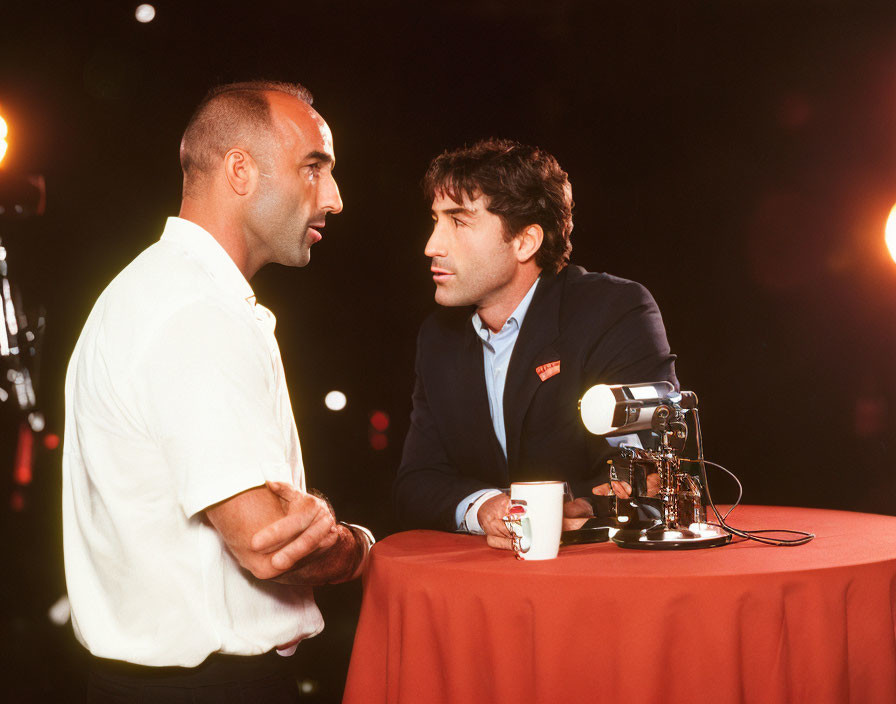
210, 255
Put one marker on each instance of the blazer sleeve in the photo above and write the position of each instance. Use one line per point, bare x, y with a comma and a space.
632, 349
428, 486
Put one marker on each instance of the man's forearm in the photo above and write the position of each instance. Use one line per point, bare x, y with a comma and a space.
338, 563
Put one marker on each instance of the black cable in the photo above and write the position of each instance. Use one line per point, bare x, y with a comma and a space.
740, 487
748, 534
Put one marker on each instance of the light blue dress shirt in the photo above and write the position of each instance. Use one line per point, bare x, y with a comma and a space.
497, 348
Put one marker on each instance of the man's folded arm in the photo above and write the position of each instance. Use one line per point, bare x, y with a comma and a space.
209, 382
344, 561
281, 534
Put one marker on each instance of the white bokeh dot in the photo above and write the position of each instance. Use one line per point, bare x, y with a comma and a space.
145, 13
335, 400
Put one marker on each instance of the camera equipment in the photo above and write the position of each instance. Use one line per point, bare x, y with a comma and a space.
674, 519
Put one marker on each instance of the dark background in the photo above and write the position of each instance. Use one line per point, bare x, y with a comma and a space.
735, 157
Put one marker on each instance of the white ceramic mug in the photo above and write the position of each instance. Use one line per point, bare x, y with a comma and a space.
536, 519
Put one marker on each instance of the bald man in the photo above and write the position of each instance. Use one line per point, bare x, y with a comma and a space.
191, 543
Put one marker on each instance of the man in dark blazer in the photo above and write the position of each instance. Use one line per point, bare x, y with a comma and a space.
521, 337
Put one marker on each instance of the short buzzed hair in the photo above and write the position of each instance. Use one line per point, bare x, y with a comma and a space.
524, 186
231, 115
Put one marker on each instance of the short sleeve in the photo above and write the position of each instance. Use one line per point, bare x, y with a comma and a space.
206, 386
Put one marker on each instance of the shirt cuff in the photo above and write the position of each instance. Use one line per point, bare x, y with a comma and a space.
467, 513
370, 543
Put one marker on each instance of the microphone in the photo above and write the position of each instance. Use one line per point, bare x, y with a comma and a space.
621, 409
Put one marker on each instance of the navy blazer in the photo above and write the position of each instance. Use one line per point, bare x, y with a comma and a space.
600, 328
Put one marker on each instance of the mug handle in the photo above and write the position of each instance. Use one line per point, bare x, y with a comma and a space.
520, 527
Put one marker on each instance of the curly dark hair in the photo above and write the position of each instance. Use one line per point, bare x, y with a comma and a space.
524, 186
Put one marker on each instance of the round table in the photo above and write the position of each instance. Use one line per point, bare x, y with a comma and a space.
447, 619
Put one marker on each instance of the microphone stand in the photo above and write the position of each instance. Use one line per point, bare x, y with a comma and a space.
676, 520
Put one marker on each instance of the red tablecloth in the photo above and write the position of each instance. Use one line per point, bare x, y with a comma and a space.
447, 619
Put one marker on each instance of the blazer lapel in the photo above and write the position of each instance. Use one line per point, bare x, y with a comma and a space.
534, 347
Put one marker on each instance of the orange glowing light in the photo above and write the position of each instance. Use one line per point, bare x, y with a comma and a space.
890, 233
4, 130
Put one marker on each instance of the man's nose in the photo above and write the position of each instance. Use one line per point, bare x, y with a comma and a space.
331, 201
436, 244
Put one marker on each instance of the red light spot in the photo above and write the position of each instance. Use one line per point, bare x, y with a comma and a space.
51, 441
23, 474
24, 455
379, 420
378, 441
17, 501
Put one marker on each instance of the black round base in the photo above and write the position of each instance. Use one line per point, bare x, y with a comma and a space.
672, 539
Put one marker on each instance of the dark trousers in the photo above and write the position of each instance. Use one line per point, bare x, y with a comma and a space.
221, 679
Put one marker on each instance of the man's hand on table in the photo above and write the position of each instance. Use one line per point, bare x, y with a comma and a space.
491, 519
576, 512
623, 489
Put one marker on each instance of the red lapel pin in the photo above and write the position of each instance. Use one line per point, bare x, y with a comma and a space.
546, 371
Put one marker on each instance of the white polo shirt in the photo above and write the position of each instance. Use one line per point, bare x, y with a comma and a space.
175, 399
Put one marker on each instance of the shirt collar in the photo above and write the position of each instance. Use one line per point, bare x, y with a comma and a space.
211, 256
515, 319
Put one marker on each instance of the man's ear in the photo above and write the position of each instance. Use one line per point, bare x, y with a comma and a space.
528, 242
241, 171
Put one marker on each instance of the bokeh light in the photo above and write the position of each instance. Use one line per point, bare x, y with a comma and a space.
379, 420
60, 612
308, 687
24, 462
145, 13
890, 233
4, 130
335, 400
378, 441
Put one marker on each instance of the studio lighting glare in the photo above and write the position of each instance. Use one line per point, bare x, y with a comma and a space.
335, 400
890, 233
145, 13
4, 130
